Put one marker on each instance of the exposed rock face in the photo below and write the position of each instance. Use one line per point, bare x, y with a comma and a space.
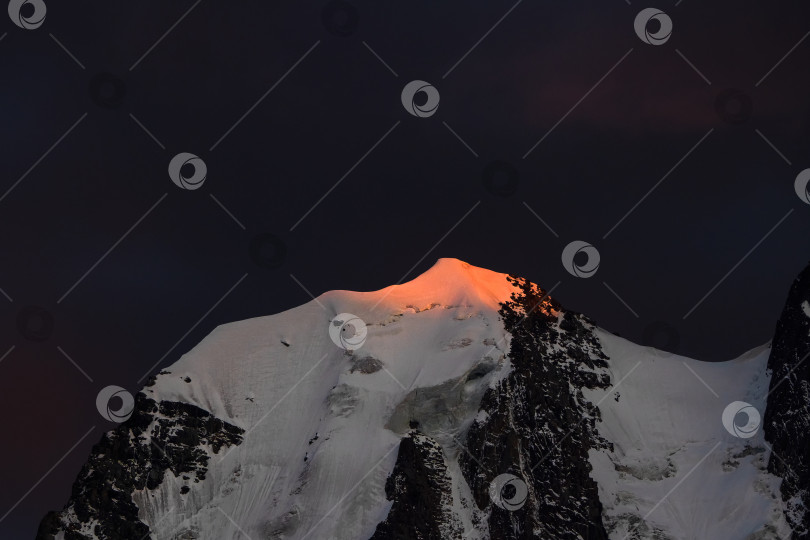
538, 426
534, 424
421, 491
158, 437
787, 416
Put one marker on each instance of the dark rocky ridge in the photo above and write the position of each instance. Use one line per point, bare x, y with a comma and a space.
421, 491
538, 426
787, 414
158, 437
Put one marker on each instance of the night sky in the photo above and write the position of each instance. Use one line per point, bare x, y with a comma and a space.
701, 137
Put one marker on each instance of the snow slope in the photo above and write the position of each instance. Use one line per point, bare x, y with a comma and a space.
674, 464
314, 429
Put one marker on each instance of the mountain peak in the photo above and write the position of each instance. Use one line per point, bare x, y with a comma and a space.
449, 282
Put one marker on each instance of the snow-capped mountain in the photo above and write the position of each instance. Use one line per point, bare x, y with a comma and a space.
463, 404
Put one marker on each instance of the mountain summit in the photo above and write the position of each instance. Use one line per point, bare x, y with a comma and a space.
462, 404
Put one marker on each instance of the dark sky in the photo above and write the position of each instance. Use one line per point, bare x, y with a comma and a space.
402, 205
